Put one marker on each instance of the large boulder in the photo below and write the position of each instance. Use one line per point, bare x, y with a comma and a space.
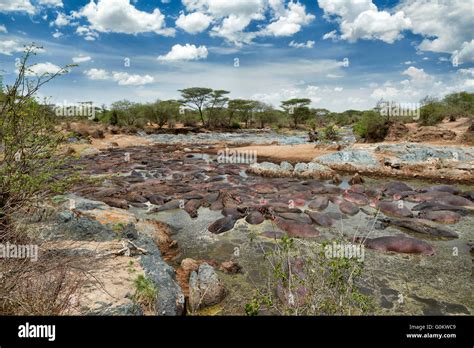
205, 288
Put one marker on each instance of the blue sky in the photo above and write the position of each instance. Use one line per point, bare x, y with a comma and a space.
343, 54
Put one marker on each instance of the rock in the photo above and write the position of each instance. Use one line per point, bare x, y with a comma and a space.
205, 288
286, 166
356, 158
230, 267
301, 167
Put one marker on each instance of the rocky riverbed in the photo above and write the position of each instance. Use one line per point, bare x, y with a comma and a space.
218, 216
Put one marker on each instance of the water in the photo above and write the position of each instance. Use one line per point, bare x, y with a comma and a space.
401, 284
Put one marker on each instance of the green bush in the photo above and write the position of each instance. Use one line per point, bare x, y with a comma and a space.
432, 113
372, 126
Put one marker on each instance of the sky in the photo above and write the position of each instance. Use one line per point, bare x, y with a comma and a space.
342, 54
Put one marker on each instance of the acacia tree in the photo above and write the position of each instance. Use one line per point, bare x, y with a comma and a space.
161, 112
243, 108
196, 98
29, 140
217, 102
297, 108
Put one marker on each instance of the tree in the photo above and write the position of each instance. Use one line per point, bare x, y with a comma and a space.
217, 102
126, 112
196, 98
243, 108
297, 108
161, 112
264, 114
29, 140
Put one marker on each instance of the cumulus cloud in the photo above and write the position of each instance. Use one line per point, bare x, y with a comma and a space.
290, 20
193, 23
126, 79
17, 6
361, 19
8, 47
186, 52
81, 59
43, 68
307, 44
61, 20
52, 3
445, 25
119, 16
122, 78
232, 19
97, 74
3, 29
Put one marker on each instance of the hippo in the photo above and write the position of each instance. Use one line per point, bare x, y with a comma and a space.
399, 244
296, 229
435, 206
222, 225
336, 200
427, 196
393, 187
456, 200
321, 219
423, 226
217, 205
284, 208
356, 198
348, 208
446, 217
443, 188
393, 209
255, 218
237, 213
400, 195
173, 204
296, 217
192, 206
319, 203
357, 188
336, 215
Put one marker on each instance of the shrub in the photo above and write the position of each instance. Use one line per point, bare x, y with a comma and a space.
431, 114
372, 127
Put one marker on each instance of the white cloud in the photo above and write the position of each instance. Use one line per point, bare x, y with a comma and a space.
307, 44
332, 35
445, 25
338, 89
187, 52
360, 19
126, 79
43, 68
81, 59
61, 20
97, 74
87, 33
290, 21
119, 16
232, 18
464, 55
3, 29
53, 3
194, 23
7, 47
57, 34
17, 6
123, 78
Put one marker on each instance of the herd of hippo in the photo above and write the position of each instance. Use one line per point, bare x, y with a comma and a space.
164, 177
